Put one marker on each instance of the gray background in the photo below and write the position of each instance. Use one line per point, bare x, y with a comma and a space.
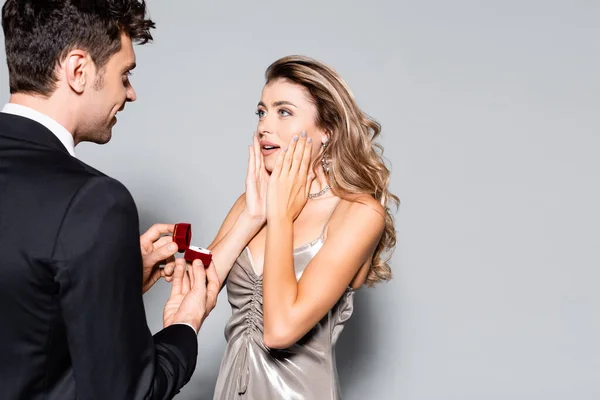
490, 123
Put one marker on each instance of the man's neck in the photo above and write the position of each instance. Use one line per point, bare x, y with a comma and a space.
52, 107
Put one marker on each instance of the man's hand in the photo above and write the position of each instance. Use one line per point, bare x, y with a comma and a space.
157, 250
193, 294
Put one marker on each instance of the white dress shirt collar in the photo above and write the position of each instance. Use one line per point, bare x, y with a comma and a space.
57, 129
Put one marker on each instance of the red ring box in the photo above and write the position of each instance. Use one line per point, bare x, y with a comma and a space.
182, 235
198, 253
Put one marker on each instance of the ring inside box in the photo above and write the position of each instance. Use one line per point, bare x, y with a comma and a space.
200, 249
198, 253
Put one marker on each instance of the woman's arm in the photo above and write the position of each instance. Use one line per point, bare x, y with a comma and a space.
246, 217
292, 308
235, 233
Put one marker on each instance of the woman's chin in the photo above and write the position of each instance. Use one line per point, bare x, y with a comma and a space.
269, 166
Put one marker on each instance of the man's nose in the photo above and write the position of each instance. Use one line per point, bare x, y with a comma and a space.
131, 95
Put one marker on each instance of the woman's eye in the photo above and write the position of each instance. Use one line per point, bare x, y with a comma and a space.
260, 113
284, 112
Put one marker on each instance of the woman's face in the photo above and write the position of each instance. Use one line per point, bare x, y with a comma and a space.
285, 110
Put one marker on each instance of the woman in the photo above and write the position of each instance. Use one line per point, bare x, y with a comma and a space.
312, 227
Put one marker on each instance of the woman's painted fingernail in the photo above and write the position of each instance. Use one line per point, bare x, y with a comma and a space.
295, 138
309, 140
303, 134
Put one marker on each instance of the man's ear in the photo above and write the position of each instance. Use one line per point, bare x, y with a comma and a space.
77, 69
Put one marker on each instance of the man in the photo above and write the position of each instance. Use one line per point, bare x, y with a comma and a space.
72, 273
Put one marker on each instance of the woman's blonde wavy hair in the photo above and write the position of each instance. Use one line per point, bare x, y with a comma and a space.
355, 160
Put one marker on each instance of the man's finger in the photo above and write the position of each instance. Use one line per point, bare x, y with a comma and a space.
178, 278
163, 241
156, 231
152, 279
199, 278
169, 267
161, 254
212, 287
197, 273
186, 278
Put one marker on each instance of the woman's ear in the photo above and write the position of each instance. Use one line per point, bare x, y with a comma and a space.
324, 138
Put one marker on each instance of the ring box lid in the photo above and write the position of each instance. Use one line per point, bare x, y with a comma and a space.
182, 235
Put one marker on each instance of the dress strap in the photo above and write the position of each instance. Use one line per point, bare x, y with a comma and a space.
328, 218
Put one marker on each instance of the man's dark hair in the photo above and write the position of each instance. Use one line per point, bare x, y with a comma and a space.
39, 33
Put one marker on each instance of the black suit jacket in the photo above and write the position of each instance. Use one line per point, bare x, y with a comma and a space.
72, 321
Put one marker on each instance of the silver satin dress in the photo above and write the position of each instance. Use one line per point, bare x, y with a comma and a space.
249, 370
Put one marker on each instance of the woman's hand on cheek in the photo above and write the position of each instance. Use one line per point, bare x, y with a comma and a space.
290, 180
257, 180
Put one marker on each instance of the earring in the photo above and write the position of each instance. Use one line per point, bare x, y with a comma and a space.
324, 162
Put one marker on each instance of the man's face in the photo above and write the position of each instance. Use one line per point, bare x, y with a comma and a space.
106, 94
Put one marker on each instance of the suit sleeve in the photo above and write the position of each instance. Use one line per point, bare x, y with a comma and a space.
99, 272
